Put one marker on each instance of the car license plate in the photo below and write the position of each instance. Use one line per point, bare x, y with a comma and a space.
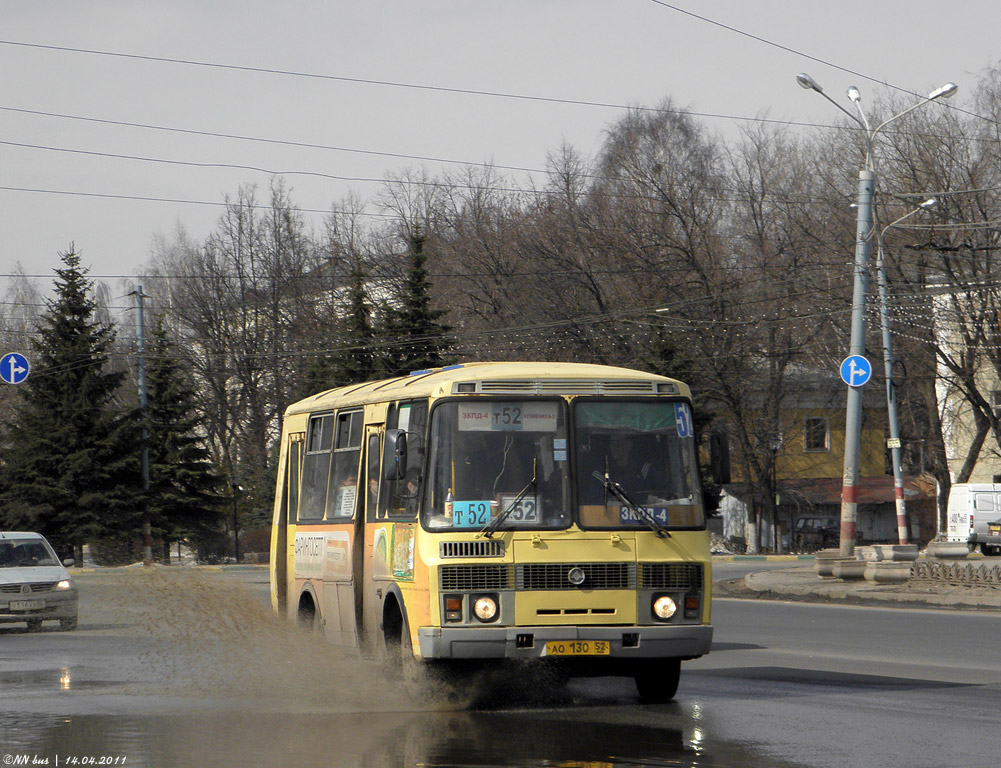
26, 605
995, 530
577, 648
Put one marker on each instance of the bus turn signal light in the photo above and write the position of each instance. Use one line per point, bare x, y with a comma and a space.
453, 609
693, 606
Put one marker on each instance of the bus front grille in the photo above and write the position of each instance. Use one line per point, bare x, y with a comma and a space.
679, 577
682, 577
473, 578
489, 548
546, 576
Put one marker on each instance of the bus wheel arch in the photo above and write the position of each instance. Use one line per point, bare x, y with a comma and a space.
401, 663
394, 620
308, 613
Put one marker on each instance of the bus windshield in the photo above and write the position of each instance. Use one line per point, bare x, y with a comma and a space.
641, 452
495, 459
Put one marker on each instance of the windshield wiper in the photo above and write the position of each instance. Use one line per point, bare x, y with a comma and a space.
644, 514
491, 528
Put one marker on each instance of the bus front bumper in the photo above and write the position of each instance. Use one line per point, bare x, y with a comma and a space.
647, 642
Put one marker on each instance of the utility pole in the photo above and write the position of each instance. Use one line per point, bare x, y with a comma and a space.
891, 387
863, 250
853, 406
141, 342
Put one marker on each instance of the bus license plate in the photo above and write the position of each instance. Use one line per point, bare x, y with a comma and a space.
577, 648
26, 605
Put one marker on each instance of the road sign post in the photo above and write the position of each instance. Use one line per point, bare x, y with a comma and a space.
14, 368
856, 371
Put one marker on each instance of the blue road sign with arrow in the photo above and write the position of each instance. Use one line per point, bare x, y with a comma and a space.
13, 368
855, 370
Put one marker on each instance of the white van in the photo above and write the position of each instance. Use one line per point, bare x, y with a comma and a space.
974, 516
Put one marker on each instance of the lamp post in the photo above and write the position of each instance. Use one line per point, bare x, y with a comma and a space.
776, 446
891, 387
235, 485
863, 248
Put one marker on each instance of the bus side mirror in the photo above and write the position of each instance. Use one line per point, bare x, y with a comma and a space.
719, 458
394, 465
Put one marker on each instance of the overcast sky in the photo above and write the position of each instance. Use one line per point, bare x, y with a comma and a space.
740, 59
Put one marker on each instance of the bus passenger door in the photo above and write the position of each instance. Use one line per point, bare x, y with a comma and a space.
367, 602
282, 548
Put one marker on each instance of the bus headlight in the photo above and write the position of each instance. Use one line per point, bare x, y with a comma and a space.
664, 607
485, 608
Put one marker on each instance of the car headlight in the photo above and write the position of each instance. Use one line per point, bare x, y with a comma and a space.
64, 584
485, 608
664, 607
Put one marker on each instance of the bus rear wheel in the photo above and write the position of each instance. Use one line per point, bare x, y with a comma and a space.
657, 680
307, 616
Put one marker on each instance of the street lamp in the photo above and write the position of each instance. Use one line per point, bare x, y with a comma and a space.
235, 485
863, 248
776, 445
891, 388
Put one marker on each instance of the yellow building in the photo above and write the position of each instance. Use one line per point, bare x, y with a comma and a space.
808, 453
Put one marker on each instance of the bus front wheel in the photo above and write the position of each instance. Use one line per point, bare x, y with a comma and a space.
657, 680
403, 666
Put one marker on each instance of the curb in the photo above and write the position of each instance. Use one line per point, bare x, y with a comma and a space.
763, 558
796, 586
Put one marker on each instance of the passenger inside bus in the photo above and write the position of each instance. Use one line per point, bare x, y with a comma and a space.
629, 459
488, 465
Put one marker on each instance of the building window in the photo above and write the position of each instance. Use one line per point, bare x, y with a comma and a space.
817, 435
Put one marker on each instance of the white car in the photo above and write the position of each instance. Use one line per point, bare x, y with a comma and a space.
34, 585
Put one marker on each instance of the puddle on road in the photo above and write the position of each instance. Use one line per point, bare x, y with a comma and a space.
198, 672
430, 740
62, 679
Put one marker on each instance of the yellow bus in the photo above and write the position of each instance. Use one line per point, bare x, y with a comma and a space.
545, 512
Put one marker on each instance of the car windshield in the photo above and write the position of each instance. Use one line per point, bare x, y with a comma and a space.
495, 459
18, 553
636, 464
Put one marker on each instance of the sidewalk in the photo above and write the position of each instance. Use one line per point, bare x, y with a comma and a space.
799, 582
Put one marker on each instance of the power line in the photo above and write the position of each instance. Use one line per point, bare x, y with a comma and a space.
260, 139
151, 199
794, 51
390, 83
433, 183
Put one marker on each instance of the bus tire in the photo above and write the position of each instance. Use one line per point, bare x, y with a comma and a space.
306, 617
402, 664
657, 680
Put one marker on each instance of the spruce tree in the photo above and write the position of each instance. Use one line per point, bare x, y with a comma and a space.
185, 495
357, 362
415, 336
354, 361
70, 453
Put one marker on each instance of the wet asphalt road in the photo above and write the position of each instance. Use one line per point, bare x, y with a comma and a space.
180, 668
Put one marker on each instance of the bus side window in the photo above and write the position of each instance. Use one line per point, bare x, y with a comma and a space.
294, 468
316, 467
342, 492
400, 498
372, 476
